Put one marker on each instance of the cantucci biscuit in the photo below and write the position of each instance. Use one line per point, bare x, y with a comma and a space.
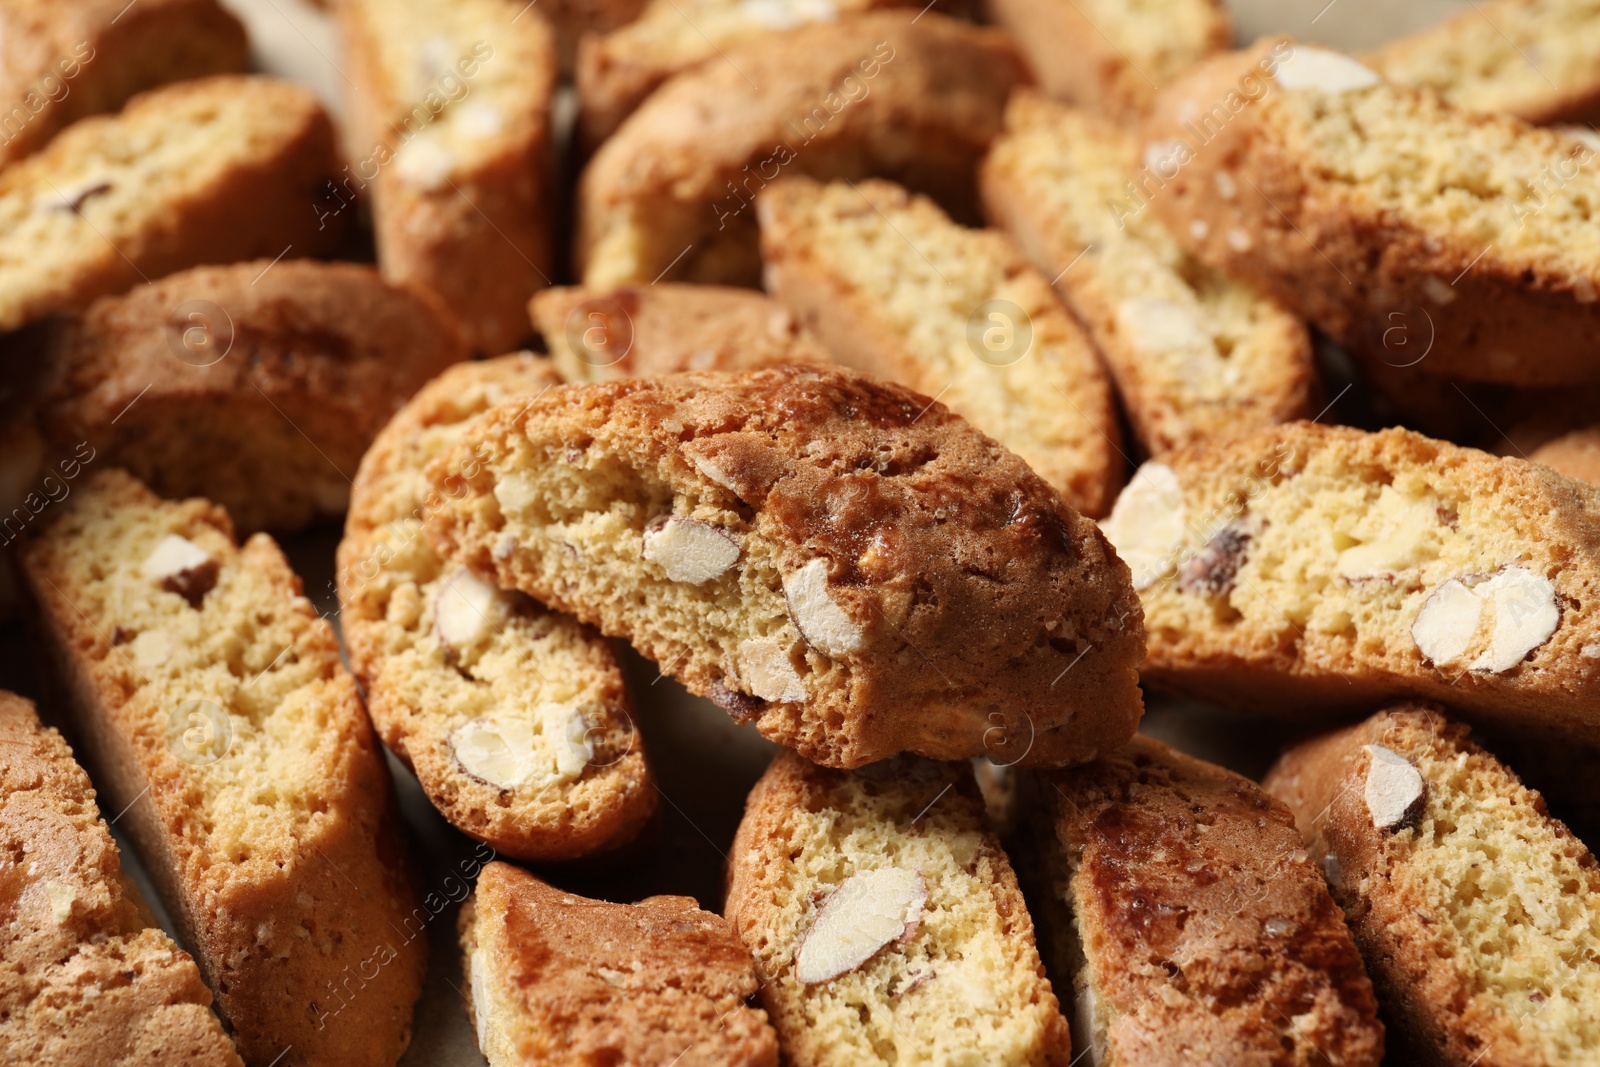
893, 287
840, 560
1575, 454
513, 717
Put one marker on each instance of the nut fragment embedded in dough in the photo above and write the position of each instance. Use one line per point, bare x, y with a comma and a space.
1146, 525
690, 550
180, 566
766, 669
464, 608
868, 911
1517, 607
507, 753
820, 620
1329, 72
1394, 789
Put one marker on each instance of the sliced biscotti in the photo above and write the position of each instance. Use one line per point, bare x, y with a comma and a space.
618, 70
1111, 56
513, 717
86, 977
893, 287
840, 560
671, 195
1575, 454
641, 331
211, 701
63, 62
1309, 568
1195, 355
214, 170
1479, 915
556, 979
1365, 206
450, 108
257, 385
1177, 899
1536, 59
886, 922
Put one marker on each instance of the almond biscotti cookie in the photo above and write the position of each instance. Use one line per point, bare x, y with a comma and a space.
212, 704
1111, 56
513, 717
450, 108
557, 979
87, 978
671, 195
63, 62
840, 560
1536, 59
1575, 454
214, 170
641, 331
256, 385
886, 922
1195, 355
893, 287
1479, 915
1176, 898
1307, 569
1363, 205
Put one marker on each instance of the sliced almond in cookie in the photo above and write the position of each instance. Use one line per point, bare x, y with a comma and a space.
869, 910
820, 620
1519, 607
464, 609
690, 550
1394, 788
180, 566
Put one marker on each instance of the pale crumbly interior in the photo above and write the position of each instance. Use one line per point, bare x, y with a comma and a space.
1194, 354
490, 1005
1518, 897
925, 280
1524, 57
979, 1003
1158, 39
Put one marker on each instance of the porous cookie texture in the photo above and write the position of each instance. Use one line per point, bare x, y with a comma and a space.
1195, 355
211, 701
840, 560
1536, 59
886, 922
257, 385
641, 331
557, 979
513, 717
214, 170
1308, 569
671, 196
1478, 914
1194, 928
893, 287
86, 977
1112, 56
64, 62
1370, 208
450, 107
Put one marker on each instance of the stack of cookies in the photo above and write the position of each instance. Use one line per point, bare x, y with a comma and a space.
922, 395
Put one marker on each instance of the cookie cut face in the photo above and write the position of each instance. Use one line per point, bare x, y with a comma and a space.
514, 717
879, 907
889, 557
1474, 958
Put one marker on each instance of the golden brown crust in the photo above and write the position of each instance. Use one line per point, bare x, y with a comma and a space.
255, 385
1575, 454
88, 979
561, 979
989, 614
1208, 934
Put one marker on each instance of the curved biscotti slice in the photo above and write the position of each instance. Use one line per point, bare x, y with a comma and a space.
450, 108
1110, 56
886, 922
513, 717
1195, 355
1310, 569
840, 560
893, 287
618, 70
556, 979
256, 385
1536, 59
1479, 915
1575, 454
87, 978
1177, 897
1365, 207
64, 62
642, 331
211, 701
671, 195
214, 170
